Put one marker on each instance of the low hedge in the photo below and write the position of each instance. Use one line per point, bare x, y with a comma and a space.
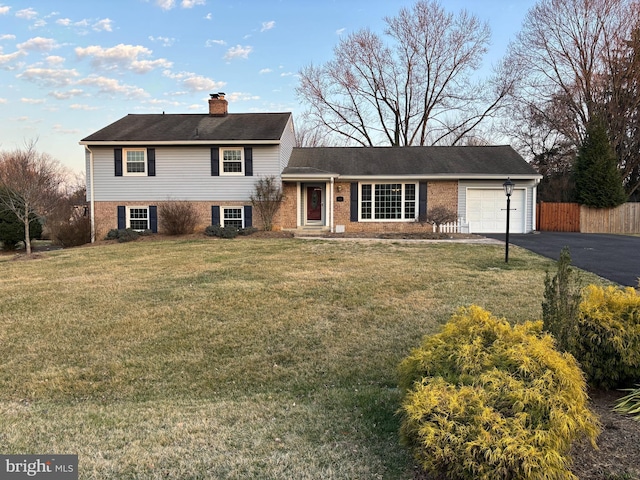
486, 400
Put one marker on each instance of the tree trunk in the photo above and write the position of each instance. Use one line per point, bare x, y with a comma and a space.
27, 233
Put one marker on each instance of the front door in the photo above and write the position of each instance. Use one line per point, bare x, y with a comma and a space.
314, 204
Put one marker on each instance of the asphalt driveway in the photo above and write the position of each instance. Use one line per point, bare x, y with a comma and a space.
614, 257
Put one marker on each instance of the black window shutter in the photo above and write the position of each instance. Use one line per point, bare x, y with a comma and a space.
153, 218
117, 157
122, 217
215, 215
215, 162
354, 202
248, 216
248, 161
151, 162
422, 201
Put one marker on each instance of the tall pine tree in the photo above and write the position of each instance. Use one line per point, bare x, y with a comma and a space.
598, 181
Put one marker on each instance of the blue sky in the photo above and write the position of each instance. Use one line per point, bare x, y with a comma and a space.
71, 67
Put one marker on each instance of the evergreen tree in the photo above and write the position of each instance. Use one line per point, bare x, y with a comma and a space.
598, 181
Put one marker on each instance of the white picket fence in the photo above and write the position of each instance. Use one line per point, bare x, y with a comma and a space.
459, 226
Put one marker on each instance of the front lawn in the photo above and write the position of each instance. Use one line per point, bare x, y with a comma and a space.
250, 358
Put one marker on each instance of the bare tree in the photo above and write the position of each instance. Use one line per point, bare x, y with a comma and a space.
567, 56
415, 89
266, 199
32, 182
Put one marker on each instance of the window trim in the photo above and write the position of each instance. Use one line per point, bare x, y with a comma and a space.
223, 209
416, 203
125, 162
222, 162
141, 207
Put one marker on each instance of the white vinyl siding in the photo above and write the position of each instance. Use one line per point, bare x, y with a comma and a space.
181, 173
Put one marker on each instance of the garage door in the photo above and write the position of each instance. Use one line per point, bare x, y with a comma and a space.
487, 210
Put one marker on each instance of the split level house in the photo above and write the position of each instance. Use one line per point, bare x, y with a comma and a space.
213, 160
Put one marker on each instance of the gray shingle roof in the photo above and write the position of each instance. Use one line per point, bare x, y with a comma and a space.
193, 127
397, 161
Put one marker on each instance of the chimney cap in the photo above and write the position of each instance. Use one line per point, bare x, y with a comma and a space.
217, 95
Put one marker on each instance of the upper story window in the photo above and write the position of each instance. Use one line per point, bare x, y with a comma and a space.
135, 161
232, 161
388, 201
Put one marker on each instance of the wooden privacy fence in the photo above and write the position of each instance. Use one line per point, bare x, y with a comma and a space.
558, 217
571, 217
622, 219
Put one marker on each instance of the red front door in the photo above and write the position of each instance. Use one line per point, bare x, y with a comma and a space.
314, 203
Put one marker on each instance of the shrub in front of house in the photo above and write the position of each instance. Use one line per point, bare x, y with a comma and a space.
73, 233
228, 231
608, 339
177, 217
125, 234
485, 400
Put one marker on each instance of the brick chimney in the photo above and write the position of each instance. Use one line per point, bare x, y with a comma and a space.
218, 106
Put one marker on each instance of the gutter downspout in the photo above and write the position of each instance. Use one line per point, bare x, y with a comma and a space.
92, 197
331, 229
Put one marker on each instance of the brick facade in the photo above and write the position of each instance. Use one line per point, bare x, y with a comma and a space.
106, 214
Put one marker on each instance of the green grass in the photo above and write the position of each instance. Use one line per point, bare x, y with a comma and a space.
251, 358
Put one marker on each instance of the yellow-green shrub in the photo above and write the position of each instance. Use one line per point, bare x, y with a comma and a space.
608, 343
485, 400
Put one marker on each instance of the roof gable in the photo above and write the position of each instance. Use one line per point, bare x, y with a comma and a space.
193, 127
410, 161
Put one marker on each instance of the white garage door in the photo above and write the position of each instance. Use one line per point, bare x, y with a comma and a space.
487, 211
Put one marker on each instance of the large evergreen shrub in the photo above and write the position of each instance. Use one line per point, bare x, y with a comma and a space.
485, 400
608, 340
598, 180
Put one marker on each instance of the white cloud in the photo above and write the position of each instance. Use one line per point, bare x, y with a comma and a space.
32, 101
103, 25
210, 43
238, 52
340, 31
287, 74
7, 37
208, 16
38, 44
199, 83
74, 92
239, 96
58, 128
27, 14
9, 58
39, 23
265, 70
65, 22
267, 25
4, 9
49, 77
166, 4
192, 3
193, 82
112, 86
165, 41
54, 60
122, 56
81, 106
